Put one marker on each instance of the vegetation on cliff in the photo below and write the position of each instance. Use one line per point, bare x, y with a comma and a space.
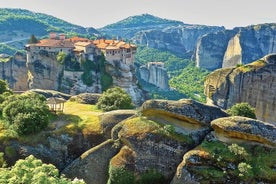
237, 162
242, 109
185, 77
113, 99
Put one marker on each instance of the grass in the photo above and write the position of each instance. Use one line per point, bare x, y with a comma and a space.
75, 118
252, 66
80, 117
4, 60
139, 125
142, 125
261, 159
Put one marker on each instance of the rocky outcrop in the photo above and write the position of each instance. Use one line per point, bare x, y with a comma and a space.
187, 110
179, 40
253, 83
123, 75
156, 74
233, 53
109, 119
92, 166
240, 45
14, 71
243, 129
230, 161
86, 98
210, 49
44, 71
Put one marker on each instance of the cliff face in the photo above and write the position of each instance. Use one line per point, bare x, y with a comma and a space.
231, 47
44, 71
14, 71
123, 75
155, 73
179, 40
210, 49
253, 83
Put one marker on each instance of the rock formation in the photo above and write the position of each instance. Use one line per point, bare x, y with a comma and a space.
14, 71
165, 142
240, 45
123, 75
235, 146
253, 83
244, 129
179, 40
155, 74
44, 71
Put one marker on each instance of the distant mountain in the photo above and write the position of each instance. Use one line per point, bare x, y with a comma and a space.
169, 35
12, 20
128, 27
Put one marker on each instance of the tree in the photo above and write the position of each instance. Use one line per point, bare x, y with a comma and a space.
33, 170
32, 39
27, 113
61, 57
242, 109
113, 99
4, 87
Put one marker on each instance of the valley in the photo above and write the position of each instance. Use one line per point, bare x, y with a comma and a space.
181, 80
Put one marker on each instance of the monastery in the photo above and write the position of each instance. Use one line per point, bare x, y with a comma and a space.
113, 50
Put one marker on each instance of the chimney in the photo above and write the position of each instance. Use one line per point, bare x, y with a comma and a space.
62, 36
53, 35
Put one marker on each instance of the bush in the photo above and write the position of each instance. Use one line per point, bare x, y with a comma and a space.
120, 175
113, 99
4, 87
242, 109
26, 113
32, 170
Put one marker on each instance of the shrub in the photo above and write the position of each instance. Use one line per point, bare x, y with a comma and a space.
120, 175
26, 113
32, 170
242, 109
113, 99
4, 87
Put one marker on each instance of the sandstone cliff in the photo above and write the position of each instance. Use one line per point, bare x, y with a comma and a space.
240, 45
155, 73
123, 75
14, 71
253, 83
180, 40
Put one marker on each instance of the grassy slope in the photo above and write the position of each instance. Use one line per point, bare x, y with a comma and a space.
75, 118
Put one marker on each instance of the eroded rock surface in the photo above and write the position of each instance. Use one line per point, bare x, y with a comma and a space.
245, 130
253, 83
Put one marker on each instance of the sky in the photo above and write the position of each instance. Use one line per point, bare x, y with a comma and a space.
91, 13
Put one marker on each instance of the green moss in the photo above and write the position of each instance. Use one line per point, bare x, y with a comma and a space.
151, 176
251, 163
10, 151
209, 174
120, 175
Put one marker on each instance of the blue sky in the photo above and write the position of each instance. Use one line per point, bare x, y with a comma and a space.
91, 13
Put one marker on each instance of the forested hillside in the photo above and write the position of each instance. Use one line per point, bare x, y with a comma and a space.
13, 19
186, 79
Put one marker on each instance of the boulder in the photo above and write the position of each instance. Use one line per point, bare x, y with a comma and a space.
92, 165
187, 110
86, 98
242, 129
51, 93
109, 119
